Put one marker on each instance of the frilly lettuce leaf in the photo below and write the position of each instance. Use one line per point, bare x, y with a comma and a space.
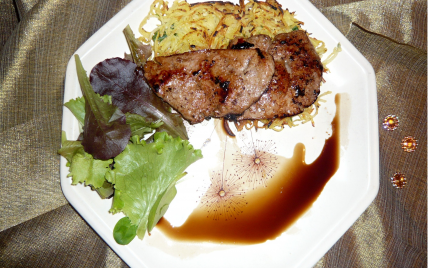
105, 191
83, 167
146, 172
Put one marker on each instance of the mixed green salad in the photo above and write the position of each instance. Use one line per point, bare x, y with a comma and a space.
131, 146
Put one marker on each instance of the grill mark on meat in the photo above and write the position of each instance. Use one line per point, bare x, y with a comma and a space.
210, 83
260, 41
242, 45
224, 85
259, 52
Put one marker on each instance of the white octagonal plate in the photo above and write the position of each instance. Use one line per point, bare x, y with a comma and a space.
347, 194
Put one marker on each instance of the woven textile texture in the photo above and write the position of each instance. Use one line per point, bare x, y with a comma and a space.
38, 228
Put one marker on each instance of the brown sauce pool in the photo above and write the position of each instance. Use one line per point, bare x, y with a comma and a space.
269, 210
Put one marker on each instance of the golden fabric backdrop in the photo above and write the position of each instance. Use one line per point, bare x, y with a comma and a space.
38, 227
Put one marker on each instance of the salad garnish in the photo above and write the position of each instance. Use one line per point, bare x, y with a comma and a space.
118, 155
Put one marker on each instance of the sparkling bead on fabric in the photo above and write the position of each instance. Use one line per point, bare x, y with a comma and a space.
409, 144
390, 122
398, 180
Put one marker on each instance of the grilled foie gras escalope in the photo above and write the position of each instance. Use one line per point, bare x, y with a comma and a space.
255, 78
298, 73
210, 83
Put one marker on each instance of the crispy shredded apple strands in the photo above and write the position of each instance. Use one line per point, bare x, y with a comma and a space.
184, 27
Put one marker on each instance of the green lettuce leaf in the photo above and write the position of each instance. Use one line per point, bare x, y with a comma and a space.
105, 191
161, 206
146, 172
77, 107
139, 52
69, 148
83, 167
139, 125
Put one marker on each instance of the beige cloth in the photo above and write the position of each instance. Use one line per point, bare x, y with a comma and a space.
38, 228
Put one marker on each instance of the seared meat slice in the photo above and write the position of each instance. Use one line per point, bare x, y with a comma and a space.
296, 81
210, 83
302, 61
277, 101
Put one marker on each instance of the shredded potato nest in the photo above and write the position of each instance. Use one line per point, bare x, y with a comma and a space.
184, 27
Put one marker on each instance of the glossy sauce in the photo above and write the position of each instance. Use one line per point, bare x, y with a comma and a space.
271, 210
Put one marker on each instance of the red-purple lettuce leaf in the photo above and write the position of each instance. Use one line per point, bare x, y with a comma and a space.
103, 137
122, 80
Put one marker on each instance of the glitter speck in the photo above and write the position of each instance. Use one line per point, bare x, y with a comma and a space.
390, 122
398, 180
257, 160
409, 144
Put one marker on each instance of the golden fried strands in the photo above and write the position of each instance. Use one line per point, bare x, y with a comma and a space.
186, 27
212, 25
332, 56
